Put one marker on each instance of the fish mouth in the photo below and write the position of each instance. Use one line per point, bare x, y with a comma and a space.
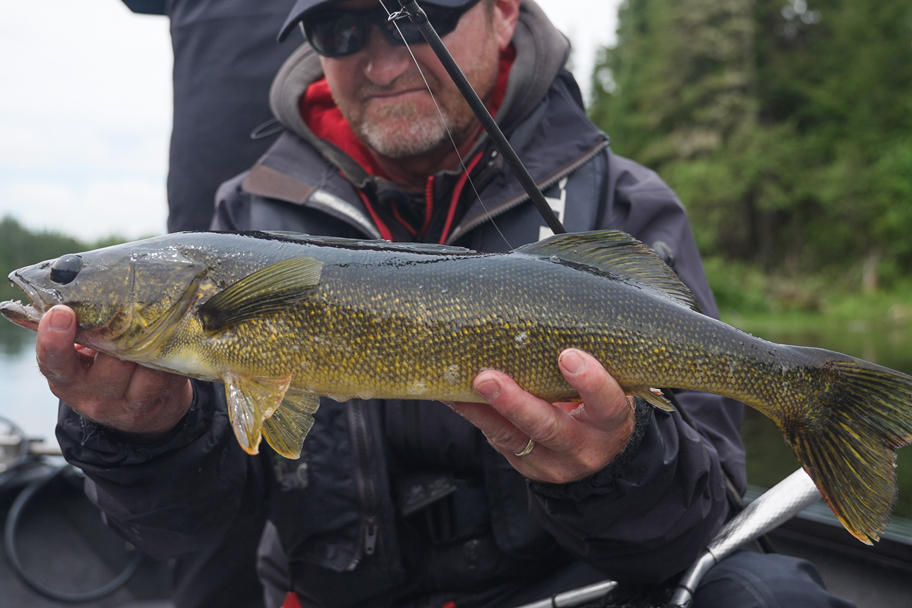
26, 315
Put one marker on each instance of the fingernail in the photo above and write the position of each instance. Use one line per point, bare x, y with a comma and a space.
60, 321
572, 361
489, 389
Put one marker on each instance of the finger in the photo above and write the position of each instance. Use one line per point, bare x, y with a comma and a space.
57, 357
147, 385
530, 416
480, 415
500, 432
154, 402
605, 402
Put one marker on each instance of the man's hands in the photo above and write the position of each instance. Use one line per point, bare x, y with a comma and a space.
140, 402
572, 440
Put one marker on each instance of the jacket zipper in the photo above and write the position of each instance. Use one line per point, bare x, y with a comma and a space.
566, 171
367, 489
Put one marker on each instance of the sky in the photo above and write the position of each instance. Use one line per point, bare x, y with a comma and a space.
85, 110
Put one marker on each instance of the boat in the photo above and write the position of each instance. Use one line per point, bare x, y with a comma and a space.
59, 552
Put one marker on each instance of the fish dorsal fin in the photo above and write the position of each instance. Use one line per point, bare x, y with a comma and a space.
250, 402
615, 253
270, 289
286, 429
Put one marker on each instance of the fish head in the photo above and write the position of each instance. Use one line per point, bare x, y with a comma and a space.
125, 297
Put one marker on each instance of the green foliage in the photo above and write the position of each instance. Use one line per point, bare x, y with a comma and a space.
785, 126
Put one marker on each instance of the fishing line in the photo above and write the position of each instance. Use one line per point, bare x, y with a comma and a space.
419, 19
401, 14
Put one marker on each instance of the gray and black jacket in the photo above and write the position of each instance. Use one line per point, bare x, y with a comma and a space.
393, 501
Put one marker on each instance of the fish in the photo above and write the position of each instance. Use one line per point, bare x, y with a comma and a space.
282, 319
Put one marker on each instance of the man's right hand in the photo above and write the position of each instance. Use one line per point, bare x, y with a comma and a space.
140, 402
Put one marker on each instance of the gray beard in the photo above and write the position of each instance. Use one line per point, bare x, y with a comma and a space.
419, 137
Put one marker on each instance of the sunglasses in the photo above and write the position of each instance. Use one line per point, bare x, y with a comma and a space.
338, 33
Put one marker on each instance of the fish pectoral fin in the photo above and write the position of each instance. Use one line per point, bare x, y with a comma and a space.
653, 396
250, 402
271, 289
286, 429
617, 253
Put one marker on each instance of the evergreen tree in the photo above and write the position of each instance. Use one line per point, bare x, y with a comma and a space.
785, 125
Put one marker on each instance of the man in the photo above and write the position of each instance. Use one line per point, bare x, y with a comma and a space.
399, 503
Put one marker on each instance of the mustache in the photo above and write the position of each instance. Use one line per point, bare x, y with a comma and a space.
402, 83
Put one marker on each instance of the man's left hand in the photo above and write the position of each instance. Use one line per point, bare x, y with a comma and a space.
572, 440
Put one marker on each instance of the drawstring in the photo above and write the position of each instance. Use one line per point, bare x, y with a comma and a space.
457, 191
428, 204
384, 231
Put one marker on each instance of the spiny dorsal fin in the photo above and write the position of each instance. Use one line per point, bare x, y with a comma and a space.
619, 254
271, 289
286, 429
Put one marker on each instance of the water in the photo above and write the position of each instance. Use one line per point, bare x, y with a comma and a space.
24, 395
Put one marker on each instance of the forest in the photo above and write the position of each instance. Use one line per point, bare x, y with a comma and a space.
785, 126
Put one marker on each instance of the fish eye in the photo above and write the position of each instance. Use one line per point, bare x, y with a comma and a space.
65, 268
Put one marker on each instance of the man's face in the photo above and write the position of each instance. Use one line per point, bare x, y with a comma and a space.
381, 93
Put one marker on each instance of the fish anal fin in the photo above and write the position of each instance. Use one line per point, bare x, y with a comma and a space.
652, 396
286, 429
616, 253
268, 290
250, 402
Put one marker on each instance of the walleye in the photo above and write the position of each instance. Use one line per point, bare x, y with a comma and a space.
282, 319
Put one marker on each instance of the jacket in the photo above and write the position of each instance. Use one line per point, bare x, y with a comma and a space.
225, 55
393, 501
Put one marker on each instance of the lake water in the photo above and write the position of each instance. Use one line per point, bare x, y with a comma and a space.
24, 395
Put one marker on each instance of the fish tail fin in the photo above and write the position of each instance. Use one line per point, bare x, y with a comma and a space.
847, 444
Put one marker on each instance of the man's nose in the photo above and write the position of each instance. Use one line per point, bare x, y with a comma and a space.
386, 61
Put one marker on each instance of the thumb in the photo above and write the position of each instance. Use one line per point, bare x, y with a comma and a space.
57, 357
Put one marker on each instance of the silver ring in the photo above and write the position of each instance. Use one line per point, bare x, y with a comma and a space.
526, 450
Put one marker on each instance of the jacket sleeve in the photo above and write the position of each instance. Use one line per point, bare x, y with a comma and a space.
647, 516
174, 497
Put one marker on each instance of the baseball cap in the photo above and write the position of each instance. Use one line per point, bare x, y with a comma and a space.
303, 6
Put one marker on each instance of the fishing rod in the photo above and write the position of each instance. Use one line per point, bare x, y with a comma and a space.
418, 17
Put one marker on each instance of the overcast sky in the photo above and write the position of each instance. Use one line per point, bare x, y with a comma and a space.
85, 110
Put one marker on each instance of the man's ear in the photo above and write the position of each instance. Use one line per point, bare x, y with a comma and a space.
506, 14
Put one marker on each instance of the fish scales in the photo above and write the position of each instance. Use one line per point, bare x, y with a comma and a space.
420, 329
282, 319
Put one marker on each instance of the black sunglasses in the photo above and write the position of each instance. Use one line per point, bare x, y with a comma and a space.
338, 33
